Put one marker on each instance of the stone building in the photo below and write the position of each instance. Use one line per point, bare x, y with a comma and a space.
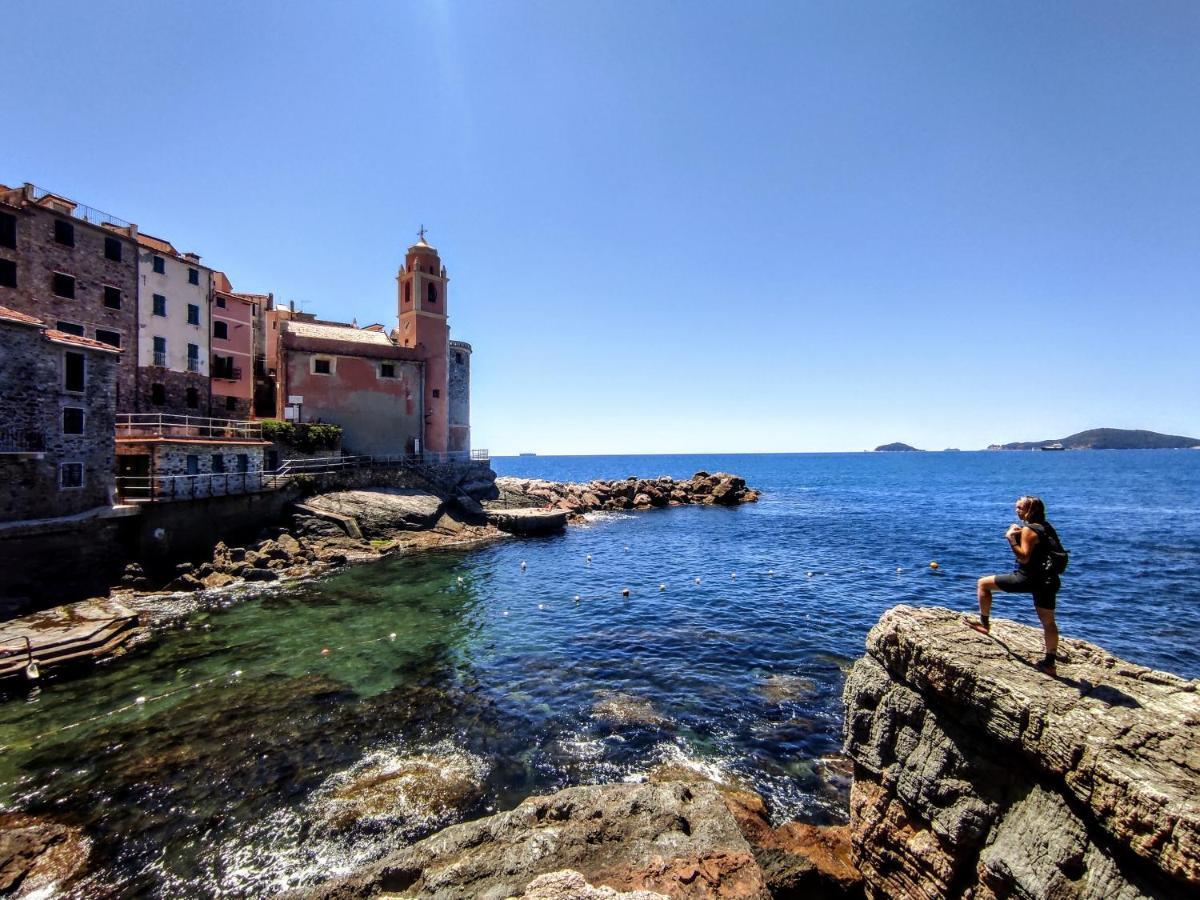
392, 394
176, 460
58, 396
73, 268
175, 327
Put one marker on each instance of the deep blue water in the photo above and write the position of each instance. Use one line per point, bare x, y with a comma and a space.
212, 785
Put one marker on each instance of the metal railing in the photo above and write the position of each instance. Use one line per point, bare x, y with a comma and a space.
229, 373
322, 465
160, 358
165, 488
87, 213
21, 440
159, 425
193, 364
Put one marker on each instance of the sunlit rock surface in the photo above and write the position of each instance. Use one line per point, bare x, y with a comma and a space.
977, 775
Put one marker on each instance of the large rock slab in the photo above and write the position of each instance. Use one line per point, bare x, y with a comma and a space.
528, 521
976, 773
676, 839
381, 511
38, 857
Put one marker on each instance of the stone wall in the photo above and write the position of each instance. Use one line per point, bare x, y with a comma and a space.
445, 478
977, 776
459, 390
169, 466
175, 388
38, 256
32, 399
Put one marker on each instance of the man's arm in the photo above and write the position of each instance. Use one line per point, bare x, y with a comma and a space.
1022, 541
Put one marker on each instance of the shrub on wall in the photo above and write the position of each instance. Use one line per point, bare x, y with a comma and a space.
304, 436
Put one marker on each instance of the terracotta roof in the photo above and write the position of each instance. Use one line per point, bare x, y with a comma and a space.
61, 337
152, 243
11, 315
346, 333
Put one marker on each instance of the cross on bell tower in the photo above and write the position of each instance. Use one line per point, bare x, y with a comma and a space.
421, 309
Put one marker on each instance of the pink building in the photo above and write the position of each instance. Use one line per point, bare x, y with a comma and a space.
234, 317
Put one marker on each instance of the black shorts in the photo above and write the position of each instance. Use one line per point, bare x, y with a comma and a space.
1044, 593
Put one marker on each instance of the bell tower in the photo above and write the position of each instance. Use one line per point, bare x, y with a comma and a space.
421, 308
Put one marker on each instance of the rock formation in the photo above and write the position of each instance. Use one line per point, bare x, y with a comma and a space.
38, 856
632, 493
975, 775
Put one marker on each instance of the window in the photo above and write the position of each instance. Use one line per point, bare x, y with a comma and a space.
220, 330
70, 475
243, 460
193, 276
159, 266
193, 357
8, 273
193, 464
218, 462
193, 314
160, 351
231, 403
112, 249
69, 328
160, 305
8, 230
112, 338
408, 292
431, 294
321, 366
387, 370
72, 420
458, 358
112, 297
158, 394
223, 367
74, 372
64, 232
221, 302
193, 398
437, 392
63, 285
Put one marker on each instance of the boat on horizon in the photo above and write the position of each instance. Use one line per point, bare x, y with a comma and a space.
1055, 446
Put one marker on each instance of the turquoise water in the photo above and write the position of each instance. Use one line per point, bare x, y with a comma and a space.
214, 783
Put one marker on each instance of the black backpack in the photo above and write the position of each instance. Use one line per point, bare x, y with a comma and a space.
1055, 556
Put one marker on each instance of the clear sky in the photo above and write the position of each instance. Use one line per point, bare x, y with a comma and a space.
676, 227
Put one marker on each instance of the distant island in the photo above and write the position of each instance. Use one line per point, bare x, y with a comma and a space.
1102, 439
896, 447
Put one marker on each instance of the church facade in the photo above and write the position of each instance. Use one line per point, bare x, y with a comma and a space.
393, 393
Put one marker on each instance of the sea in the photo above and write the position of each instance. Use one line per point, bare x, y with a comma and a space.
207, 762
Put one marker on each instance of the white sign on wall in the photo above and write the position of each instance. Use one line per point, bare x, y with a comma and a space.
295, 400
290, 413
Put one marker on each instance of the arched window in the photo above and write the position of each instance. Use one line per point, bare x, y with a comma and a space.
431, 294
408, 292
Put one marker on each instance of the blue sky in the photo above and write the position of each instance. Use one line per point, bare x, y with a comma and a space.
676, 227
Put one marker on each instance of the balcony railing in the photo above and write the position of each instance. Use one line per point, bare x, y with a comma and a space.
160, 358
87, 213
228, 373
338, 463
158, 488
135, 425
21, 440
193, 364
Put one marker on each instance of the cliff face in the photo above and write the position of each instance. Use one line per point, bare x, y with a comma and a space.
975, 775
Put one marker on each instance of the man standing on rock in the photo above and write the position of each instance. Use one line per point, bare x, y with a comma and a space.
1030, 543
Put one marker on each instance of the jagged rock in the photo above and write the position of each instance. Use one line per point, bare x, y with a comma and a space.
529, 521
185, 582
272, 549
290, 545
676, 839
218, 580
38, 856
629, 493
570, 885
331, 557
260, 575
974, 773
184, 568
380, 511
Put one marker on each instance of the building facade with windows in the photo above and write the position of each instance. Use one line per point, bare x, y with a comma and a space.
57, 414
235, 320
174, 294
74, 269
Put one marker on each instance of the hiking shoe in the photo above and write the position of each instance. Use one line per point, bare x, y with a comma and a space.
976, 625
1047, 667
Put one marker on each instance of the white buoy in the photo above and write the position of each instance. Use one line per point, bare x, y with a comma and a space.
662, 587
899, 569
576, 598
589, 557
460, 579
140, 700
626, 548
541, 606
733, 576
32, 672
770, 573
697, 579
624, 592
522, 565
810, 574
392, 636
505, 613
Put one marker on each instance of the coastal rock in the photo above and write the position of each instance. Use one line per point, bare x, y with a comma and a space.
218, 580
38, 856
528, 521
675, 839
260, 575
381, 511
629, 493
976, 774
569, 885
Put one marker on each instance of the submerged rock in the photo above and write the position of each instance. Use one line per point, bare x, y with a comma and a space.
974, 773
617, 708
39, 856
675, 839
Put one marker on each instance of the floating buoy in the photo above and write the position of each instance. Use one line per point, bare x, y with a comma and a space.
697, 579
589, 557
733, 576
541, 606
899, 569
32, 672
624, 592
140, 700
626, 548
522, 565
237, 673
460, 579
505, 613
324, 651
392, 636
933, 565
576, 598
662, 587
770, 573
810, 574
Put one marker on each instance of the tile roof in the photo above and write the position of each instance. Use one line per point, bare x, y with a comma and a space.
11, 315
61, 337
152, 243
336, 333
